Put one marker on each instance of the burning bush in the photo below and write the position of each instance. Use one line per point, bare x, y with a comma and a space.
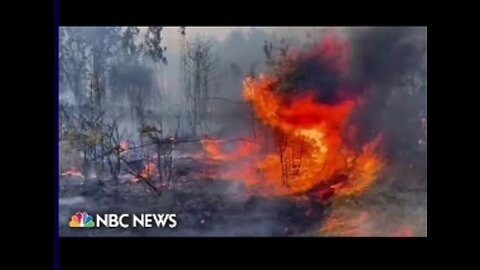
312, 150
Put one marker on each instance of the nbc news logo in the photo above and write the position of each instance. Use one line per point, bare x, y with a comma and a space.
83, 220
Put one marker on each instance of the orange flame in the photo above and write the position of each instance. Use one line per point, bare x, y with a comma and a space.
339, 225
147, 172
73, 171
314, 147
215, 151
404, 232
123, 146
314, 152
343, 222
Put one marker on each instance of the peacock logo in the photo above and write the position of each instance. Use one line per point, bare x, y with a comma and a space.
81, 220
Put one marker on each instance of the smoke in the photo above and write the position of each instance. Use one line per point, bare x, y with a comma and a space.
321, 69
375, 63
344, 62
381, 59
383, 55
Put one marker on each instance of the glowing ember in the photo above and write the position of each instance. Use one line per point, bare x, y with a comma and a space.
343, 222
72, 172
213, 148
146, 173
404, 232
311, 151
123, 146
341, 225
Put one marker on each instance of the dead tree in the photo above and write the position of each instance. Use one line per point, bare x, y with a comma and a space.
199, 64
114, 151
73, 68
155, 49
164, 153
83, 130
290, 151
140, 176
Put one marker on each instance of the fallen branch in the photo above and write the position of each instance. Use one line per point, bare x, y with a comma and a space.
139, 176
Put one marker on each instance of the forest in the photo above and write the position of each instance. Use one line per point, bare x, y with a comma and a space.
314, 131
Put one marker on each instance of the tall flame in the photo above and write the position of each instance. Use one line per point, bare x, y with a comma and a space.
313, 151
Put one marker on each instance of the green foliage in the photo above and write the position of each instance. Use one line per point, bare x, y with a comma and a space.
129, 44
148, 129
73, 61
277, 59
153, 42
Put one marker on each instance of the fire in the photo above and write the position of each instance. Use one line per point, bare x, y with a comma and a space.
404, 232
123, 146
213, 149
339, 225
147, 172
72, 172
312, 151
347, 222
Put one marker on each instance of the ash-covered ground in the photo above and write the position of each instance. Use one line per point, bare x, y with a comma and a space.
222, 208
323, 99
204, 207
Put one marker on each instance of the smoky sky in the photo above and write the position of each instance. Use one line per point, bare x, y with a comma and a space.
315, 75
383, 55
378, 60
377, 57
381, 59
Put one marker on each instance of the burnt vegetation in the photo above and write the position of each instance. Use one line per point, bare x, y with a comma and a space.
133, 132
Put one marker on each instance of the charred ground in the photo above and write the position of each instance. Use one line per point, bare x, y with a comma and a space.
323, 135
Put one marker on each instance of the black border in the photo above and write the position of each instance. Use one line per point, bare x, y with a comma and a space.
27, 116
240, 13
56, 242
205, 252
70, 252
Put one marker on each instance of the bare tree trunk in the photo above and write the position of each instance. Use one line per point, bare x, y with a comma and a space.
117, 168
197, 98
169, 164
102, 168
159, 164
110, 165
85, 162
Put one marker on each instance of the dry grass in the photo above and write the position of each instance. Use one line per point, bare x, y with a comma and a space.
380, 212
